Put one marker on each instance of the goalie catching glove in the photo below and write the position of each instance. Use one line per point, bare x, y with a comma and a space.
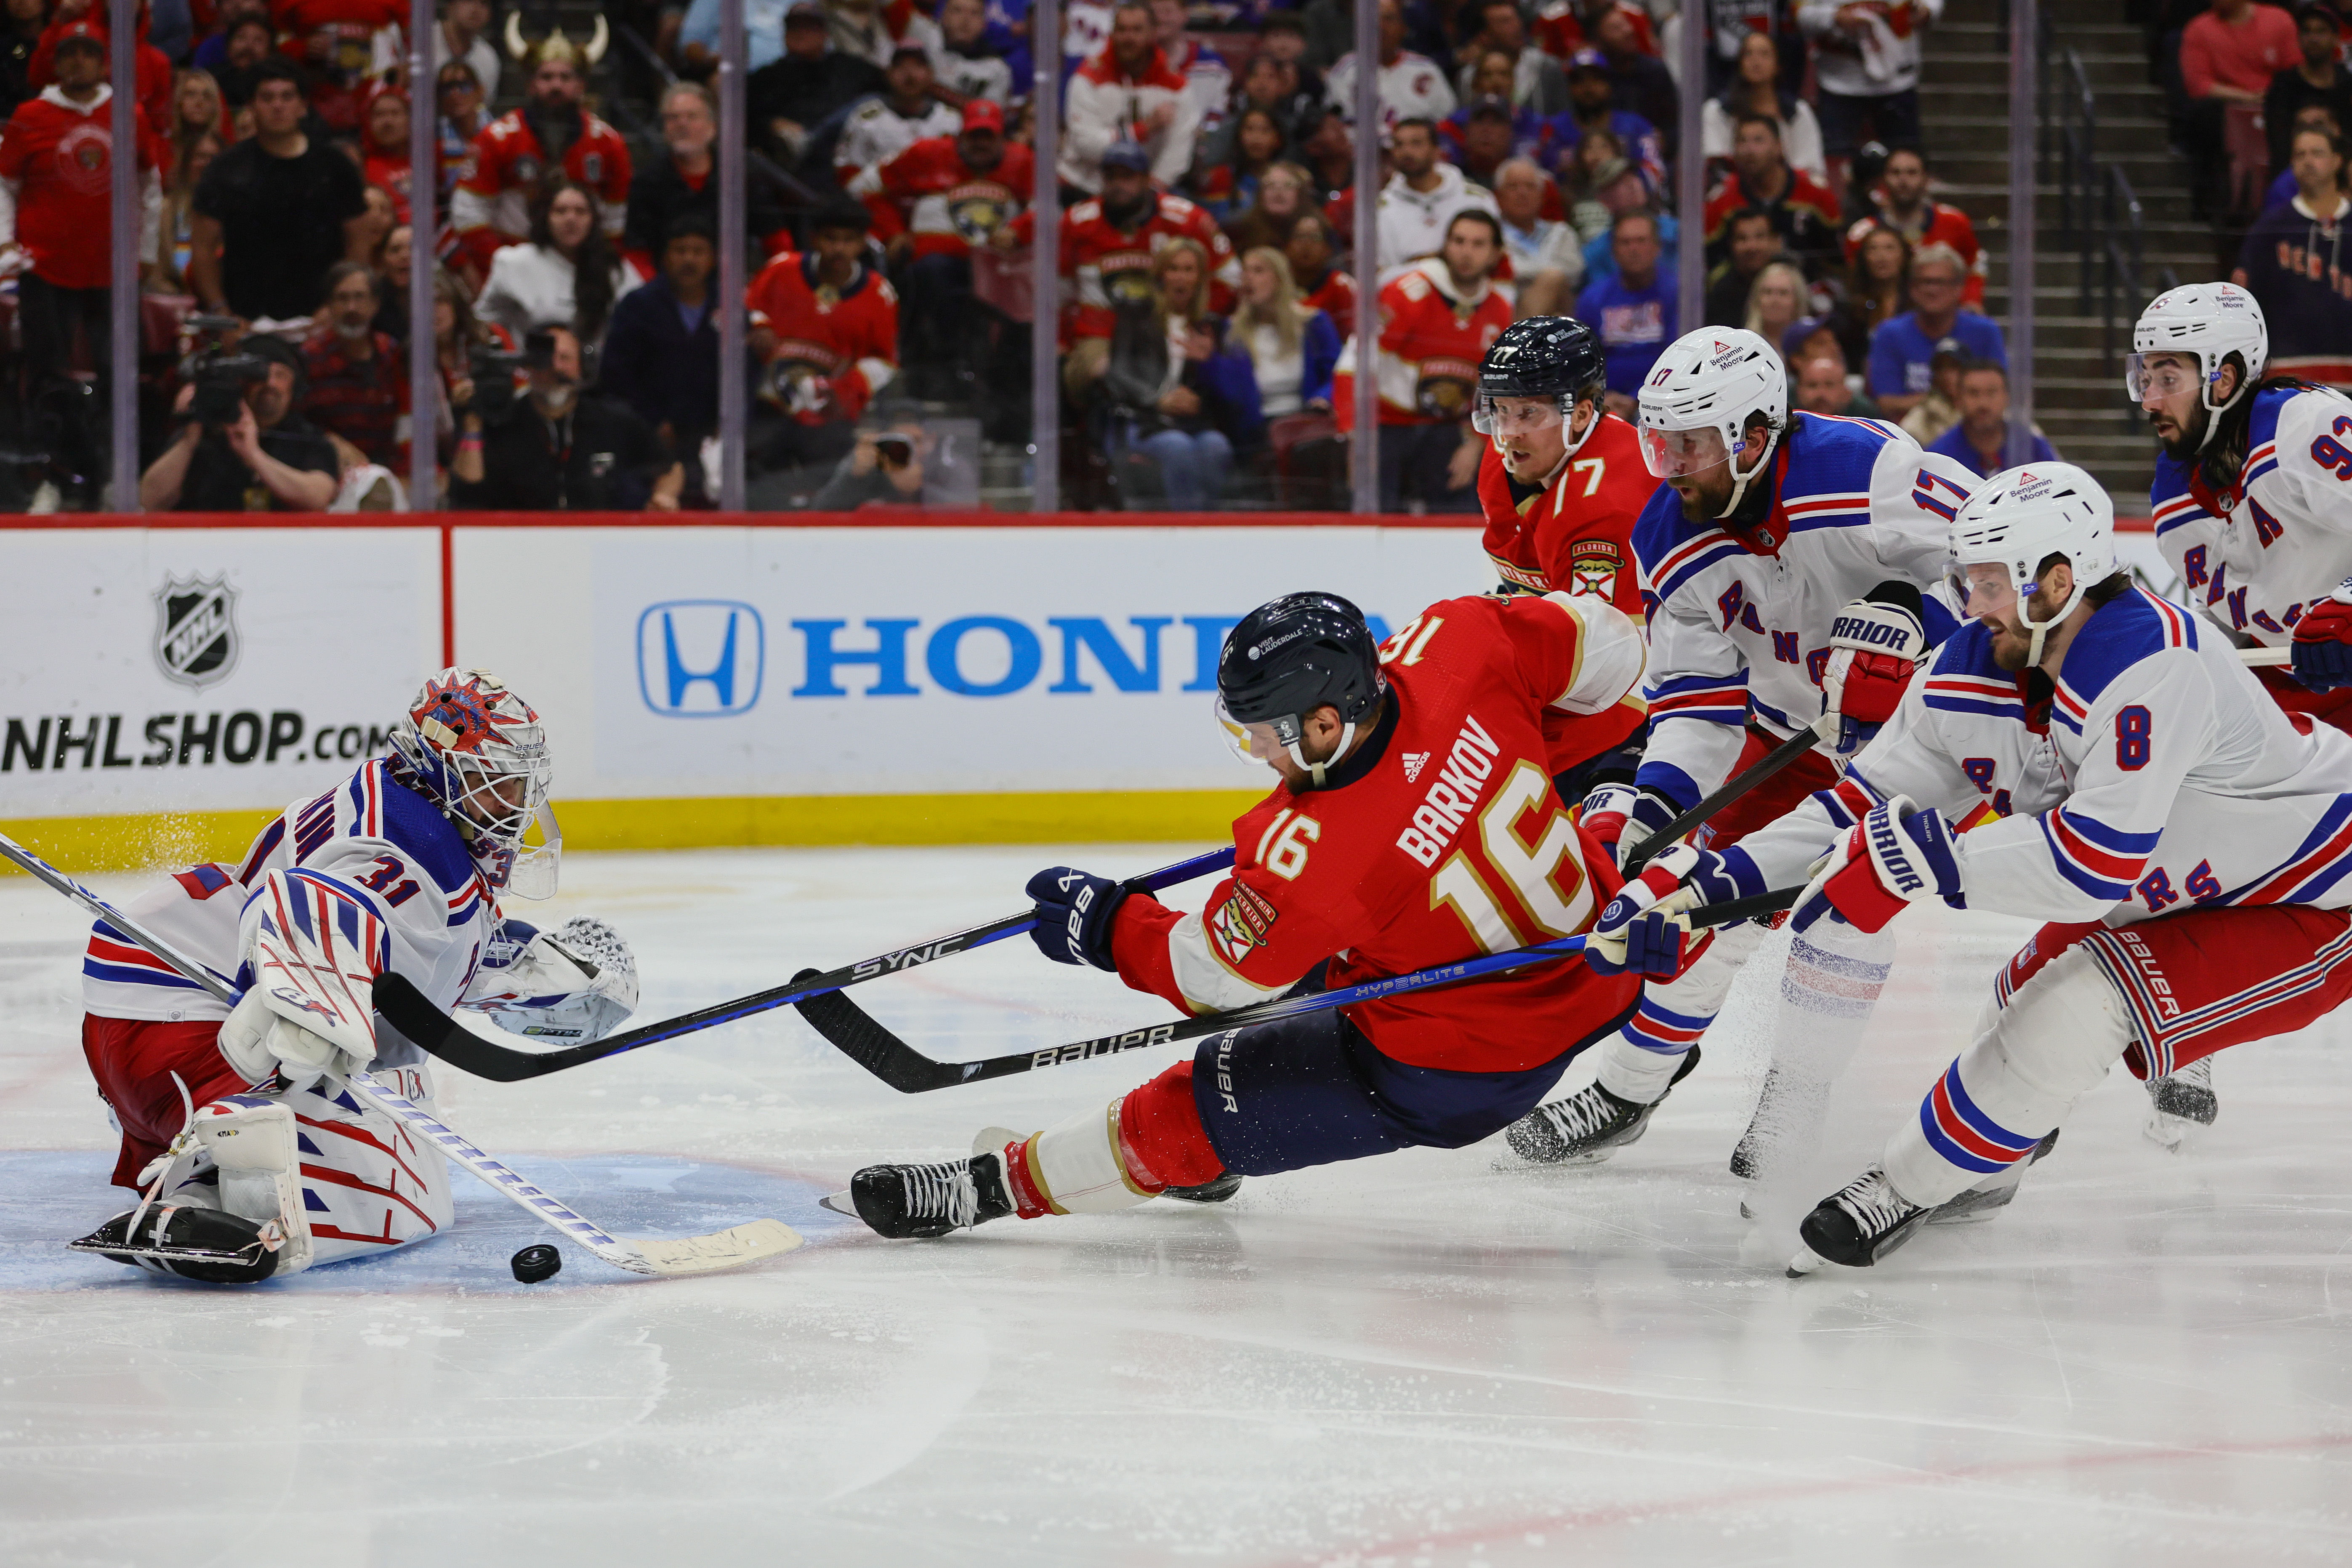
578, 981
1893, 856
1645, 929
1875, 644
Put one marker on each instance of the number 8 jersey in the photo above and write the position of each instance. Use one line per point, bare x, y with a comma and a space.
1437, 839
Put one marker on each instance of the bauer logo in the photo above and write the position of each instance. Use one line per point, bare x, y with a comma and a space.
701, 659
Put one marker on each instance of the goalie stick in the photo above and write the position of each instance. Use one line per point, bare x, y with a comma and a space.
895, 1062
639, 1255
442, 1036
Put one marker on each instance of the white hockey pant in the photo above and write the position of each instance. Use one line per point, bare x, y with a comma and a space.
1828, 993
356, 1180
2060, 1033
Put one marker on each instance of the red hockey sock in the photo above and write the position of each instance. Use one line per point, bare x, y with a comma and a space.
1028, 1203
1160, 1130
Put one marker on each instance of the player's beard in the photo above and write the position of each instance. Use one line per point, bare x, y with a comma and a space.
1124, 212
2183, 449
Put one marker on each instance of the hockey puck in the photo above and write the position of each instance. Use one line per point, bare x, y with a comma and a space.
533, 1264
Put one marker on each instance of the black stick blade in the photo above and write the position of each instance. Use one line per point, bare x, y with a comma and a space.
443, 1037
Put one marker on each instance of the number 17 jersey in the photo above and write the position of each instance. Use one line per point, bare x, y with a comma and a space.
1438, 838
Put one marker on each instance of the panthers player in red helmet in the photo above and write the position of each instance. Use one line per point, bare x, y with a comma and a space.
1414, 824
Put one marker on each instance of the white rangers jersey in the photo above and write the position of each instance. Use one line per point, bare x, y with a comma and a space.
2252, 557
370, 845
877, 133
1739, 620
2155, 776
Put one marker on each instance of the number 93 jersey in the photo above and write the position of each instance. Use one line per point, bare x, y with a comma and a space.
1437, 839
2281, 536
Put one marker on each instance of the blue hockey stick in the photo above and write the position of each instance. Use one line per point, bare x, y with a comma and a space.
907, 1070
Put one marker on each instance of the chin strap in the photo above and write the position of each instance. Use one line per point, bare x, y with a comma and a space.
1740, 481
2042, 629
1314, 770
2213, 411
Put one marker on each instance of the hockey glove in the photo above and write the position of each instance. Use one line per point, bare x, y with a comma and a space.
1893, 856
1073, 915
1875, 645
579, 983
1645, 929
1624, 817
2322, 650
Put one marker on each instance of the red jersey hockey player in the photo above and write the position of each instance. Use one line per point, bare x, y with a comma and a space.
1561, 487
1414, 824
1437, 322
551, 133
1564, 480
826, 327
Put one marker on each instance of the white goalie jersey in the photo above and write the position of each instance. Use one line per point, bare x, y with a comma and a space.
2252, 557
1739, 627
2157, 777
398, 882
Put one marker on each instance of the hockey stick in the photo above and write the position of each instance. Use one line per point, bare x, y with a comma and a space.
443, 1036
2260, 656
1779, 757
639, 1255
907, 1070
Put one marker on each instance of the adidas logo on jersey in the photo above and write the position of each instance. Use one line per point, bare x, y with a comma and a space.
1413, 762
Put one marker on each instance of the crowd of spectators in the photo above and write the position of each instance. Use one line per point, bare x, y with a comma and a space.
2262, 102
1207, 319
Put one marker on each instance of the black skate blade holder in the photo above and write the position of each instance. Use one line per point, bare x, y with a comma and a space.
244, 1257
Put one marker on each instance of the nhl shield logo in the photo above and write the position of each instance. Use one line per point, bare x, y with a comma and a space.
197, 640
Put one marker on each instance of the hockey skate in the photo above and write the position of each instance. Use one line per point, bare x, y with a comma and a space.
1588, 1126
188, 1242
1989, 1197
919, 1202
1859, 1224
1216, 1191
2178, 1101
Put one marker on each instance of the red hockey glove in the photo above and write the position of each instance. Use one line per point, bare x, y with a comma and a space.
1875, 645
2322, 650
1896, 855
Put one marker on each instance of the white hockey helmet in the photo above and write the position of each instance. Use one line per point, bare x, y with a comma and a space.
2209, 321
2020, 518
478, 751
1698, 400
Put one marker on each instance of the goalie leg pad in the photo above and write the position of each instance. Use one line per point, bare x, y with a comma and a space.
254, 1146
368, 1184
2057, 1036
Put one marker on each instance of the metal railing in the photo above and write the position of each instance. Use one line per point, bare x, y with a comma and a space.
2099, 214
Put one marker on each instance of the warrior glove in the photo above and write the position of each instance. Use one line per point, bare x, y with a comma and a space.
1875, 645
1893, 856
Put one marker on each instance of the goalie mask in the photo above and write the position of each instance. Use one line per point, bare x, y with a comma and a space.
478, 752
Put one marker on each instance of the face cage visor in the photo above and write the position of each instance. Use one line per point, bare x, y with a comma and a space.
1258, 743
1682, 454
1981, 587
1504, 418
2175, 375
499, 810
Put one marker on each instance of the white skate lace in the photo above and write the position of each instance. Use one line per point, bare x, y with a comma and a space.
1874, 1203
1585, 1114
945, 1191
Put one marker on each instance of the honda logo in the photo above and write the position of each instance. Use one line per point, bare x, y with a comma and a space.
700, 658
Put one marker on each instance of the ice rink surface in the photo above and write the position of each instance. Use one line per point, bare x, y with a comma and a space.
1431, 1358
